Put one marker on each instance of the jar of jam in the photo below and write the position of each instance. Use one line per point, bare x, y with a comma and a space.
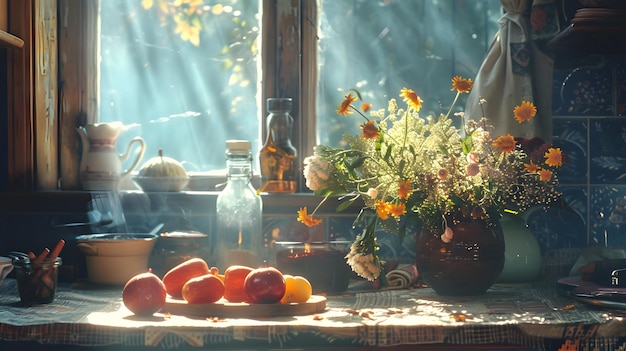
173, 248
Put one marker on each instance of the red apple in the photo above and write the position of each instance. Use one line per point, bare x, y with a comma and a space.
265, 285
144, 294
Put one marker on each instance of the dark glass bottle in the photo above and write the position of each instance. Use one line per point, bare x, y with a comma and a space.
278, 155
238, 239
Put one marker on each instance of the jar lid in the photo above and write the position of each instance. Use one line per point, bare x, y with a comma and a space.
238, 146
279, 104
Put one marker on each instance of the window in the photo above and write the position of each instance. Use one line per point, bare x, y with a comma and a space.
188, 74
181, 74
379, 47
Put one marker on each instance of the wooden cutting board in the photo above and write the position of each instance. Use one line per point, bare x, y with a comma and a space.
223, 308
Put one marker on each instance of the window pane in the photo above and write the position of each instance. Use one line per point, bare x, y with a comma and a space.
379, 47
181, 74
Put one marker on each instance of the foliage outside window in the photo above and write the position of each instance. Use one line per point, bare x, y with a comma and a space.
183, 73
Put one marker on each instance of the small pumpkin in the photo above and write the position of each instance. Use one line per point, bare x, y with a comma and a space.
162, 167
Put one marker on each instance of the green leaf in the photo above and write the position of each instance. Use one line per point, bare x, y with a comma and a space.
342, 206
357, 163
388, 153
467, 145
329, 192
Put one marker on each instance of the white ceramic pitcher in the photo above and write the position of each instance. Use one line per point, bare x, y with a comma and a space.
101, 165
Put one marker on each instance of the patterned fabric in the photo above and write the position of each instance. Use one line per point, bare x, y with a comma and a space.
82, 315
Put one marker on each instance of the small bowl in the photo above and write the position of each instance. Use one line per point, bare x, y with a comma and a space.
6, 266
161, 183
114, 258
322, 263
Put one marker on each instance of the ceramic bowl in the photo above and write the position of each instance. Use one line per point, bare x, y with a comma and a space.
322, 263
6, 266
114, 258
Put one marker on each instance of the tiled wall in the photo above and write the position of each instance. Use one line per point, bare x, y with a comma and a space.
589, 102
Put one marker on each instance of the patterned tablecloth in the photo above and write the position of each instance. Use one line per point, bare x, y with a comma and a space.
90, 316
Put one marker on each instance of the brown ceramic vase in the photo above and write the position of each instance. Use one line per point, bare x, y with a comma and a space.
468, 265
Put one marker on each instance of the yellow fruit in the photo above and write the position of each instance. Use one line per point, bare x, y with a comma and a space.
297, 289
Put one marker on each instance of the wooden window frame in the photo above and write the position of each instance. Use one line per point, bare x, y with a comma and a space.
54, 83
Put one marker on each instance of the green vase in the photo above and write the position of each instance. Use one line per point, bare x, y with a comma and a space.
522, 257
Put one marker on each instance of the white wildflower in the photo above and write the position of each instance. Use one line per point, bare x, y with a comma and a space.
363, 264
392, 106
447, 235
473, 157
372, 193
316, 172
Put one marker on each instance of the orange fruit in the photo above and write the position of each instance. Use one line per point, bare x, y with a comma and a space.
234, 278
176, 277
297, 289
204, 289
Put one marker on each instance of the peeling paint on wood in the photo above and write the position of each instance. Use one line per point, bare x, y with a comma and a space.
46, 93
78, 70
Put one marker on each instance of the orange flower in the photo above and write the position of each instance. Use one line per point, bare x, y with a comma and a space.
531, 167
369, 130
545, 174
366, 106
382, 209
411, 98
344, 106
404, 189
397, 210
462, 85
307, 219
505, 143
524, 112
554, 157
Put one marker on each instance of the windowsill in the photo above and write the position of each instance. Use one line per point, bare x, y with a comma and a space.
61, 201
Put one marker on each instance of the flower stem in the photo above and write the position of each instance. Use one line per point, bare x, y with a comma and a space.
458, 93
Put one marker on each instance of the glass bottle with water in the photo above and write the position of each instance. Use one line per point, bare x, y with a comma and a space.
238, 238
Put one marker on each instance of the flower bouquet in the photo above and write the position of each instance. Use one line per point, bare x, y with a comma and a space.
412, 169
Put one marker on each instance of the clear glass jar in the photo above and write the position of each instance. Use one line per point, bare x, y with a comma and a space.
238, 238
37, 281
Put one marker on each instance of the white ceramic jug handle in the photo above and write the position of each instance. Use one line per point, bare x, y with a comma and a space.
142, 150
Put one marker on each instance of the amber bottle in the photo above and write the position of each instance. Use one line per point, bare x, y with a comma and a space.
278, 155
